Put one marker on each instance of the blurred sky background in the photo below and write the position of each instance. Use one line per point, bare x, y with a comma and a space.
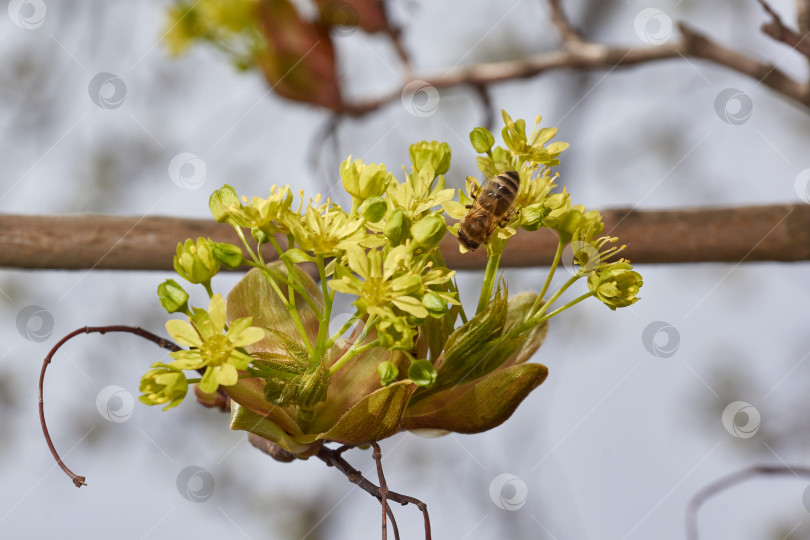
611, 446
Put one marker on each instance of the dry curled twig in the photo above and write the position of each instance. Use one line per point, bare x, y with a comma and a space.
333, 458
727, 482
79, 481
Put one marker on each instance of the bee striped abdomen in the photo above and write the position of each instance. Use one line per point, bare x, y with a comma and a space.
493, 202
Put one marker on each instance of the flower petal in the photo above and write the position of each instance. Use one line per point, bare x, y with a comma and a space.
208, 383
227, 375
183, 333
216, 310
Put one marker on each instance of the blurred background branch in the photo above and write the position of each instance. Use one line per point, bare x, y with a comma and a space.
755, 233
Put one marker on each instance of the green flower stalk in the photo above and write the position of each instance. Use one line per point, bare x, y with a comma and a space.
409, 357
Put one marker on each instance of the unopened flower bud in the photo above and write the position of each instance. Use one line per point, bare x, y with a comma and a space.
373, 209
427, 232
172, 297
195, 262
398, 227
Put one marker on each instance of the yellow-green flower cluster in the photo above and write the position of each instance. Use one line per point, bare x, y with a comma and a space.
409, 356
230, 25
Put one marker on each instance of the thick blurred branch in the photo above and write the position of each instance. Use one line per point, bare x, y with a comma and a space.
757, 233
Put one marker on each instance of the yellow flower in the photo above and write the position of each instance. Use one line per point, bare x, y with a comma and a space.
211, 349
164, 384
328, 230
616, 285
195, 262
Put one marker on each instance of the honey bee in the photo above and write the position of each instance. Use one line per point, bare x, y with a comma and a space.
492, 206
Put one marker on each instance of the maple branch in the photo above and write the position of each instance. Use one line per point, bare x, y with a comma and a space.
753, 233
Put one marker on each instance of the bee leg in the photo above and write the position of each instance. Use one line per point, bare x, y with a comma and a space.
467, 206
475, 188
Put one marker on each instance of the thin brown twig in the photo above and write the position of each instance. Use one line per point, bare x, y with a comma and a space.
570, 36
377, 454
727, 482
79, 481
586, 55
781, 32
334, 459
482, 91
